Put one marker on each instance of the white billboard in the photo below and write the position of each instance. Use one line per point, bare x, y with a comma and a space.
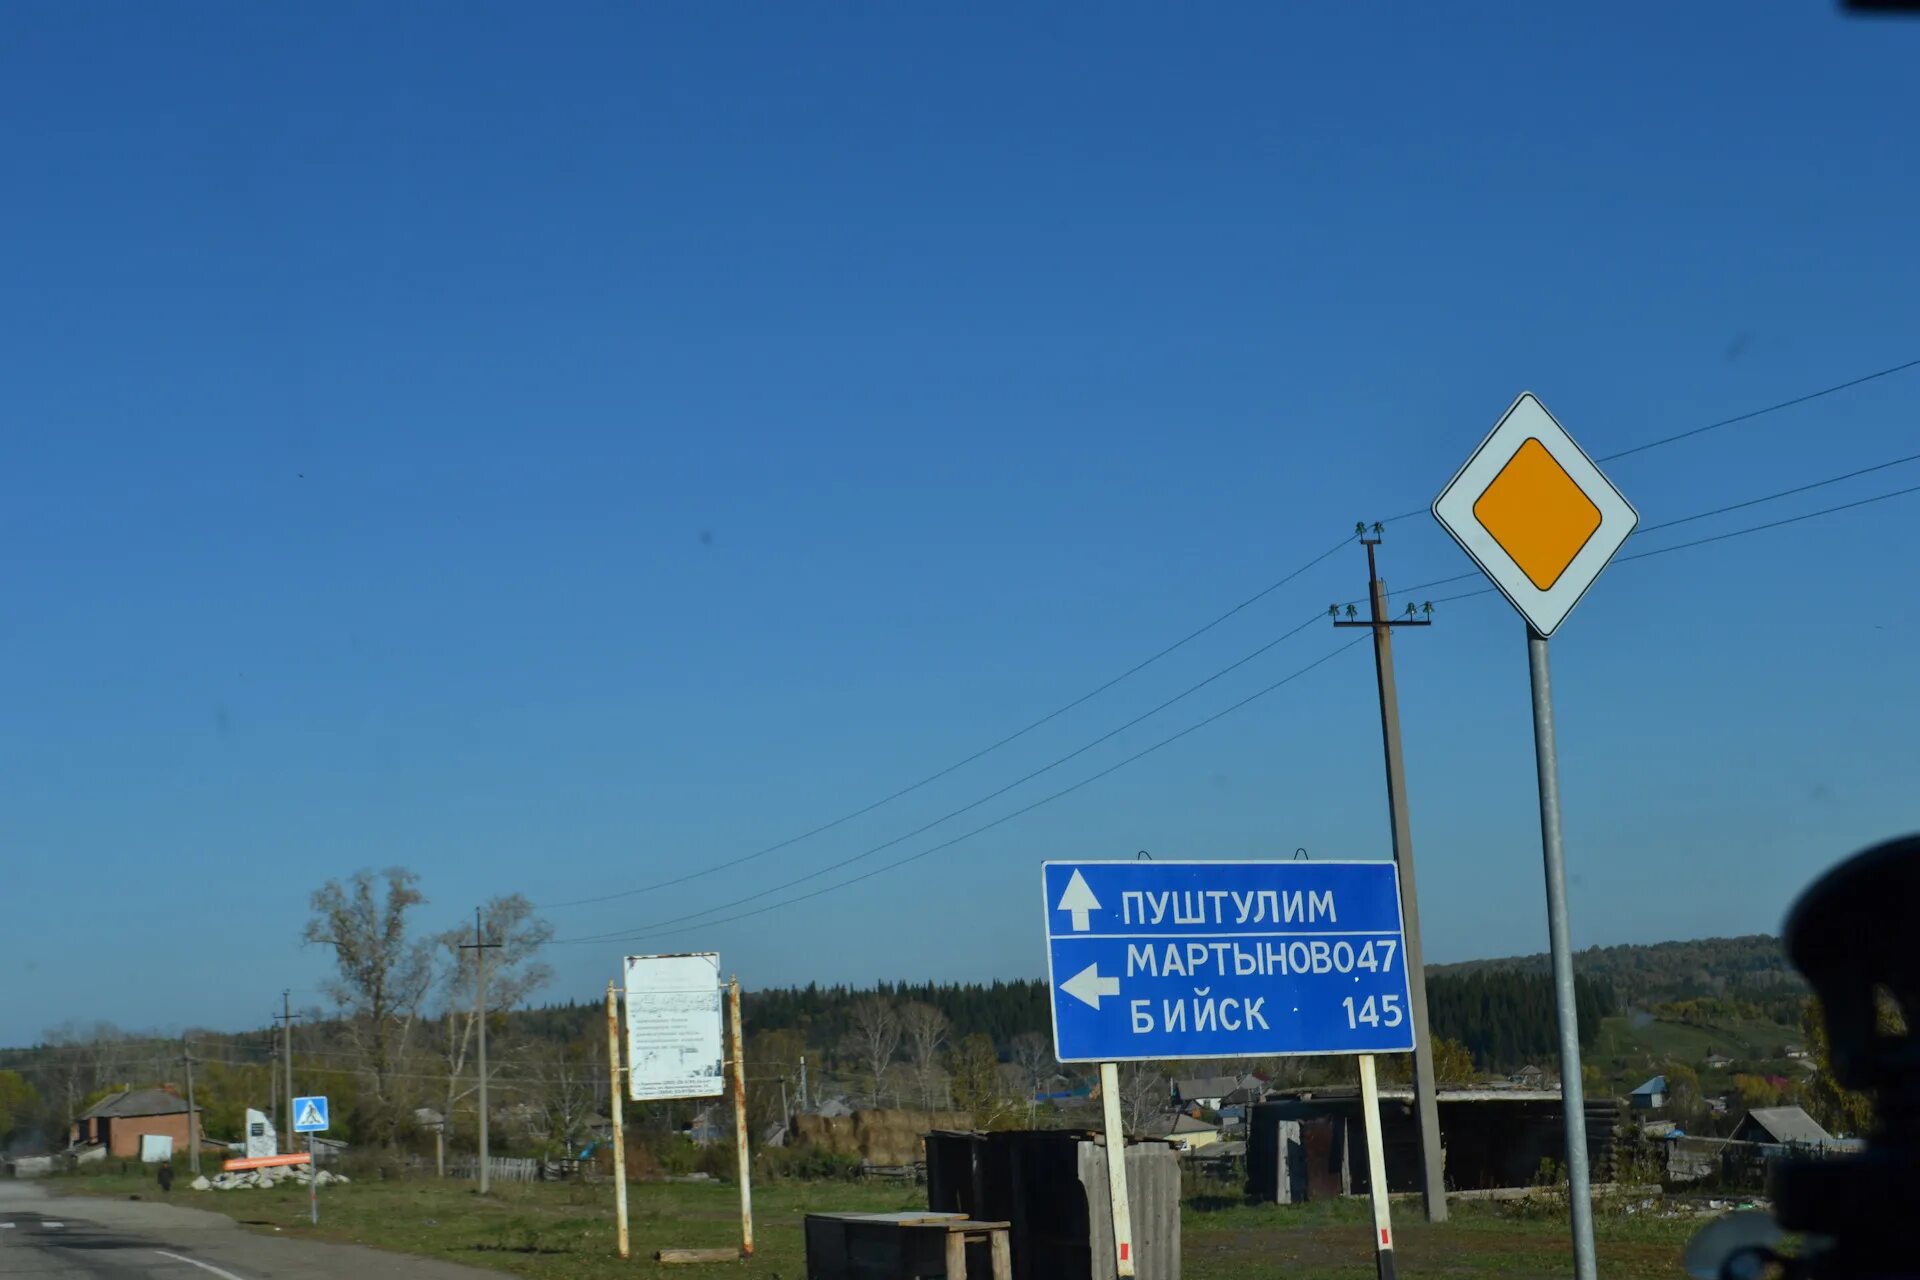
673, 1027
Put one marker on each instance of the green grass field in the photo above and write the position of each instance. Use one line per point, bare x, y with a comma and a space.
546, 1231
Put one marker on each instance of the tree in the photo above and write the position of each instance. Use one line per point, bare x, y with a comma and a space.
563, 1085
1033, 1057
383, 977
873, 1033
1144, 1095
19, 1103
926, 1031
514, 972
1841, 1111
1756, 1092
977, 1086
1684, 1099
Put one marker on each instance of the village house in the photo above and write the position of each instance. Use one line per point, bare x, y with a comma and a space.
118, 1121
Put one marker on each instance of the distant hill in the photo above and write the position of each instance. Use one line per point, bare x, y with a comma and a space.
1751, 969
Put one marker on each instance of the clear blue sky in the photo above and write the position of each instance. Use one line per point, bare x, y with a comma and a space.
557, 448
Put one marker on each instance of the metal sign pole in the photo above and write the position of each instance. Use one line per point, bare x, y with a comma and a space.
619, 1134
1572, 1093
1376, 1169
1117, 1169
313, 1182
740, 1119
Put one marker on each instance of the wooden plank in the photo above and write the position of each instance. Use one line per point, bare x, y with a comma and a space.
672, 1256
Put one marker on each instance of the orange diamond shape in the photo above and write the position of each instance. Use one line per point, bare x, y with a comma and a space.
1537, 514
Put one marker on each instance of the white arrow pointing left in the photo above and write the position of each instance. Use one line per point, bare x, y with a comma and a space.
1087, 986
1077, 901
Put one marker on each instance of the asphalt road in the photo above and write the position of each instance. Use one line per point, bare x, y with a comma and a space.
70, 1237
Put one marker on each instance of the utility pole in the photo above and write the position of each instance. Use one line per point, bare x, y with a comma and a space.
286, 1017
1432, 1155
803, 1082
480, 946
193, 1112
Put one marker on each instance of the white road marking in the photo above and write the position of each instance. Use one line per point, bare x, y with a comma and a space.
204, 1266
53, 1224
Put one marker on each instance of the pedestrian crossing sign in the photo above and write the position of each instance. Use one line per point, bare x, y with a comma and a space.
310, 1115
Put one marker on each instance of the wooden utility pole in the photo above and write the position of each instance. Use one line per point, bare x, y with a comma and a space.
619, 1133
745, 1162
193, 1112
285, 1018
1432, 1155
480, 946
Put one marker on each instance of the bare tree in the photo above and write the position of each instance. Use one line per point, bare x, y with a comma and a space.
85, 1056
1034, 1057
383, 977
514, 972
873, 1033
926, 1031
563, 1086
1143, 1094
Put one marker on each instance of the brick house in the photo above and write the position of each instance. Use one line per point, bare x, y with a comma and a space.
119, 1120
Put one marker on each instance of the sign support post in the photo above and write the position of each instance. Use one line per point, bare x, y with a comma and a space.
1542, 522
1376, 1169
1117, 1168
310, 1116
740, 1119
619, 1134
1572, 1087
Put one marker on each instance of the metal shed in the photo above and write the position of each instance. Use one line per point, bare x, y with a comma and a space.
1051, 1185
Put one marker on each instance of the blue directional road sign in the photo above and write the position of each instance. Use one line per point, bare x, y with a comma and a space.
1225, 959
310, 1115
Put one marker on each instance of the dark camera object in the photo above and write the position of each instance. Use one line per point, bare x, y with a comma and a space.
1850, 934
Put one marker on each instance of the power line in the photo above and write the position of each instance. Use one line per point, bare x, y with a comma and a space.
965, 808
1698, 515
1756, 413
790, 841
1025, 809
1466, 595
1055, 714
1748, 416
1771, 524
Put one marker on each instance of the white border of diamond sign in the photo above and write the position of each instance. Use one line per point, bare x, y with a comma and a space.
1526, 418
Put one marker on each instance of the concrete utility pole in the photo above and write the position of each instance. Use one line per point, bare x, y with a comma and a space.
480, 946
193, 1112
1432, 1155
285, 1018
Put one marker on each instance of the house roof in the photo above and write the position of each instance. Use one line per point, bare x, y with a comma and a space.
137, 1102
1207, 1086
1656, 1085
1172, 1126
1242, 1096
1789, 1124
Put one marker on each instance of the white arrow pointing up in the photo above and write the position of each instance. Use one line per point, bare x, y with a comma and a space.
1087, 986
1078, 899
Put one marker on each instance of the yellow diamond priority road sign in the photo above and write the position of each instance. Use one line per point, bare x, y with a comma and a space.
1535, 514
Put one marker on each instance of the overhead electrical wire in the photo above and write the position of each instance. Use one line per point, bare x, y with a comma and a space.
790, 841
1003, 818
992, 795
1748, 416
1055, 714
657, 930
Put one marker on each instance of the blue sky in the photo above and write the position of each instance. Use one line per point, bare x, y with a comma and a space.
558, 450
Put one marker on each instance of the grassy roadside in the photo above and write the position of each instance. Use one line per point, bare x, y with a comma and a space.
550, 1230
